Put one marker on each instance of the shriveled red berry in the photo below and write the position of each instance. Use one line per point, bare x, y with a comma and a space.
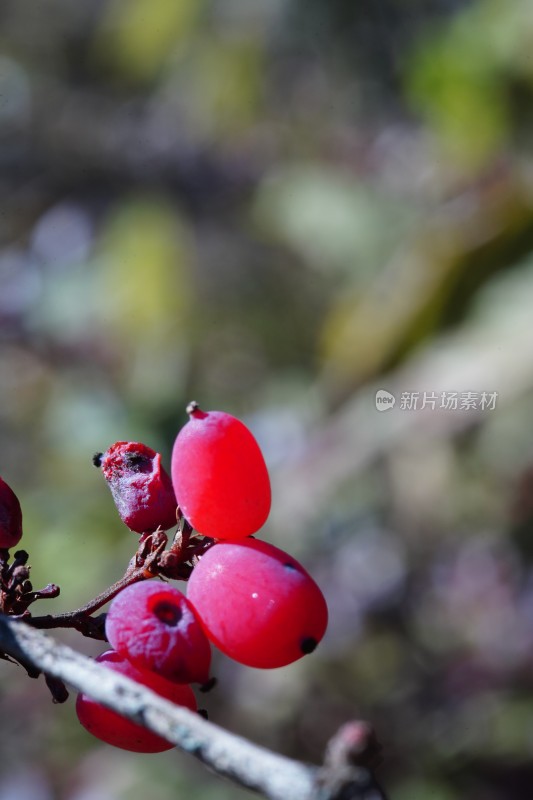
257, 603
113, 729
155, 626
141, 488
220, 476
10, 517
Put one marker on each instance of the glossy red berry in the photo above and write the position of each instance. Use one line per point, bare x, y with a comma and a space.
257, 603
141, 488
155, 626
220, 476
113, 729
10, 517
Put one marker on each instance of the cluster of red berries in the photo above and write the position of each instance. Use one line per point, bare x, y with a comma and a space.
252, 600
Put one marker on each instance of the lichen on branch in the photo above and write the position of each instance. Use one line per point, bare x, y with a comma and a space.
246, 764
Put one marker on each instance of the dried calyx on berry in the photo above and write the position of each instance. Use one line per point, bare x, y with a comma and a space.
141, 488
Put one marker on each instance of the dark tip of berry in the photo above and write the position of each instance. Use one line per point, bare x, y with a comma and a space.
288, 565
307, 645
167, 613
97, 459
137, 462
192, 407
203, 713
210, 684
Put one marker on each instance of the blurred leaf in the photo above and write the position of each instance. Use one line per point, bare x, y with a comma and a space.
144, 270
509, 734
137, 36
456, 81
332, 221
420, 789
145, 295
221, 84
430, 281
66, 305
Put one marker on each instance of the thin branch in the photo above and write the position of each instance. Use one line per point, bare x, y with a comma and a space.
150, 560
231, 756
143, 565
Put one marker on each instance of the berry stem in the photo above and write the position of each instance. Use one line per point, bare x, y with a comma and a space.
143, 566
150, 560
194, 410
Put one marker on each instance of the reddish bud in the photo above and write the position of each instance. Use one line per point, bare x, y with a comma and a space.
141, 488
10, 517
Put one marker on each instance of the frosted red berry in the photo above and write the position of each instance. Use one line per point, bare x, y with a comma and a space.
155, 626
141, 488
220, 476
257, 603
113, 729
10, 517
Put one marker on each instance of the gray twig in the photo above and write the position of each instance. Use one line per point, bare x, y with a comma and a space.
236, 758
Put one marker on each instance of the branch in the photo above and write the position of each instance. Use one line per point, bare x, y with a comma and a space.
151, 559
231, 756
140, 568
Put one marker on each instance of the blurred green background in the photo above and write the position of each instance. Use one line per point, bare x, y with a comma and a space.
278, 208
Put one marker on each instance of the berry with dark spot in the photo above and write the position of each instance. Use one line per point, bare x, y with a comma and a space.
257, 603
141, 488
156, 628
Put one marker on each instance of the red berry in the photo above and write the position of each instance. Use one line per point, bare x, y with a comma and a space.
10, 517
156, 628
113, 729
141, 488
220, 476
257, 604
